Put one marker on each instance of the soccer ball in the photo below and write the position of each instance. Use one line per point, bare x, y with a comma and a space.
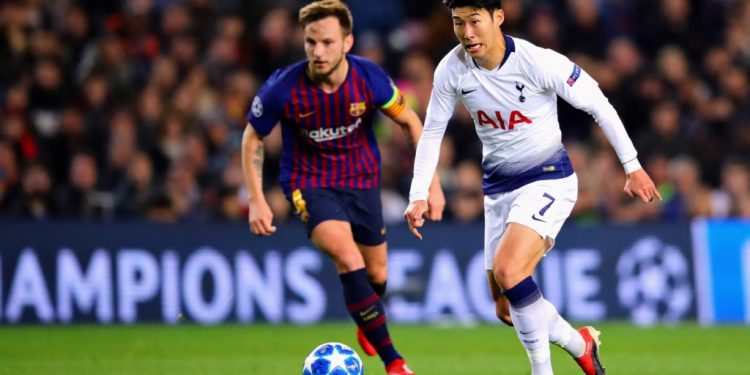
333, 358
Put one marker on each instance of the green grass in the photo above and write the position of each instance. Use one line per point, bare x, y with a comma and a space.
430, 350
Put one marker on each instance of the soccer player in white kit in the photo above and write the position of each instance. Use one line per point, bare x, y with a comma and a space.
510, 87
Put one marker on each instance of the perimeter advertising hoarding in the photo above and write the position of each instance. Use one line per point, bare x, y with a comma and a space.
722, 256
214, 273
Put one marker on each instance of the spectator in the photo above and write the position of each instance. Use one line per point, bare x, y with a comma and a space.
37, 200
145, 101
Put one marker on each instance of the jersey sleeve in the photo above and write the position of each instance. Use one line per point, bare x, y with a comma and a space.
443, 97
439, 112
387, 96
556, 72
266, 108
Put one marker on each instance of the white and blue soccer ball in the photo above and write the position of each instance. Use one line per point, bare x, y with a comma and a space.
333, 358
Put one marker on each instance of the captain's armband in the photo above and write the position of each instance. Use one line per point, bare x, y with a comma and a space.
395, 106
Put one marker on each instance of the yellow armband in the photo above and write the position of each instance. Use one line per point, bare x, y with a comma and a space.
396, 105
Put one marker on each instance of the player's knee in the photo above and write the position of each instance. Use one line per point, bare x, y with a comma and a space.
507, 275
347, 261
377, 274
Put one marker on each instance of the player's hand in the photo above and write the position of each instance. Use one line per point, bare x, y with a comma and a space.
639, 185
435, 203
260, 218
414, 216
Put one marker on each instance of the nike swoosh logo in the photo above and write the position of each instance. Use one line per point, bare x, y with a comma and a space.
305, 115
467, 91
367, 311
526, 333
538, 219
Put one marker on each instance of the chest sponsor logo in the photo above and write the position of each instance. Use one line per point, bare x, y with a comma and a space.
357, 109
498, 122
329, 134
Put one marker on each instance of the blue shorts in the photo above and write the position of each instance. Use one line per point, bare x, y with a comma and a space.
361, 208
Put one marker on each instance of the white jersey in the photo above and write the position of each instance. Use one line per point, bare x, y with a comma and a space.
514, 108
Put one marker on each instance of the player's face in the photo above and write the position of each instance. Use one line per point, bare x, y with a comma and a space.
326, 45
478, 30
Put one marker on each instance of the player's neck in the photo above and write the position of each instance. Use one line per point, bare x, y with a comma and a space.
494, 56
331, 82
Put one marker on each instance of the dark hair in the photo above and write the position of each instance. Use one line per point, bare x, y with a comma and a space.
327, 8
490, 5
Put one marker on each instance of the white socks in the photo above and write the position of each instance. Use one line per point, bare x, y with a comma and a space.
532, 328
538, 323
562, 334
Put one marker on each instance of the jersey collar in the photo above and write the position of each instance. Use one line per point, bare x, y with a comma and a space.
510, 47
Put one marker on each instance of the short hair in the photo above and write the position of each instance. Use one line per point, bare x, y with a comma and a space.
318, 10
490, 5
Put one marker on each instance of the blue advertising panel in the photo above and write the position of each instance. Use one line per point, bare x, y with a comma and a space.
722, 256
643, 273
62, 272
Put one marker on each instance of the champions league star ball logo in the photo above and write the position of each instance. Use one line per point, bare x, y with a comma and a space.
333, 358
654, 282
257, 107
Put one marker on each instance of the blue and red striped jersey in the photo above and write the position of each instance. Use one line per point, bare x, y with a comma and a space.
328, 139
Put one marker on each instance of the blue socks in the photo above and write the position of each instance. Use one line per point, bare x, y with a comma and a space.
367, 311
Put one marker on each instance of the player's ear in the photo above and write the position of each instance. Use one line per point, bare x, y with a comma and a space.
498, 16
348, 42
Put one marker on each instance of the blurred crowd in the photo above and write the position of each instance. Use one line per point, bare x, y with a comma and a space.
134, 109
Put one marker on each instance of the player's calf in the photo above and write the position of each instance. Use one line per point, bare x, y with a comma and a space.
365, 344
502, 310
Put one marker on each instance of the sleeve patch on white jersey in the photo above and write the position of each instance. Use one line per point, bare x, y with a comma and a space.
574, 76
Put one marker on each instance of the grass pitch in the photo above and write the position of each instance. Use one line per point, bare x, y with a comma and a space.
280, 350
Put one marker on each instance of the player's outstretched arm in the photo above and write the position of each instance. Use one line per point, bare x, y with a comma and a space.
260, 216
639, 185
579, 89
412, 127
414, 216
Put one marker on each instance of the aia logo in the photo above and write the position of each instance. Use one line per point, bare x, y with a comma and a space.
516, 117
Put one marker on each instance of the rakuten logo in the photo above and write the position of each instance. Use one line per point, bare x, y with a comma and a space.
329, 134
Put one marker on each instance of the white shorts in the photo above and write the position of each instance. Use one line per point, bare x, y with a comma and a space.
541, 205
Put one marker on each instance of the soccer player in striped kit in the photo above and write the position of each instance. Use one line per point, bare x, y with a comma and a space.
330, 163
510, 87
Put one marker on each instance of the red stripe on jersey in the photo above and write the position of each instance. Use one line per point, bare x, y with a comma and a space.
358, 160
319, 158
349, 165
367, 91
331, 172
339, 170
304, 147
294, 179
311, 152
369, 161
376, 174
